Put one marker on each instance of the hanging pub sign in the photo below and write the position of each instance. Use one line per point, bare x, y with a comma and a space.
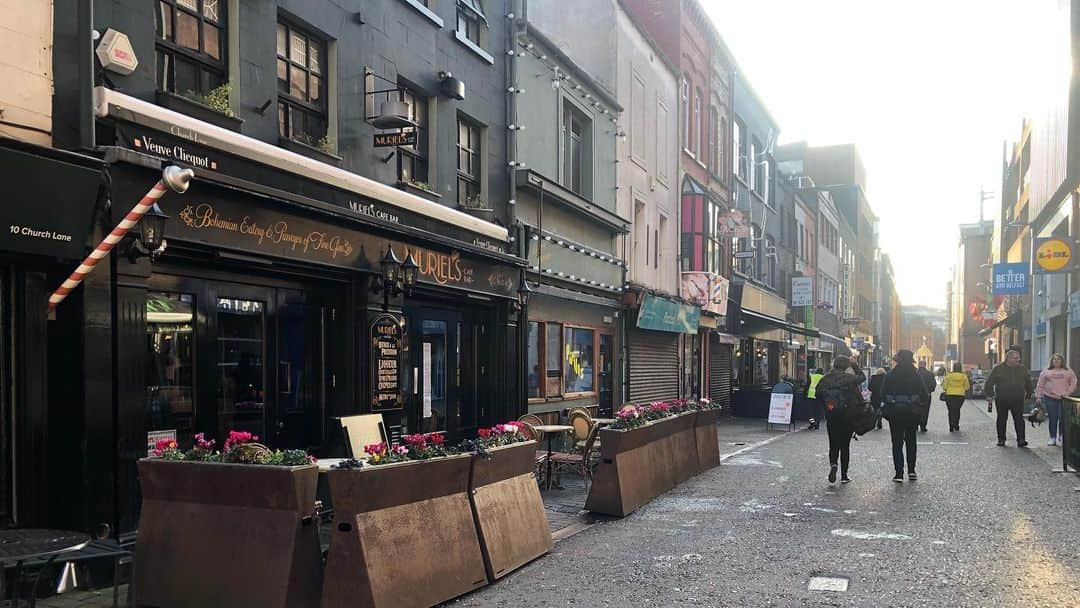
1052, 255
386, 342
391, 140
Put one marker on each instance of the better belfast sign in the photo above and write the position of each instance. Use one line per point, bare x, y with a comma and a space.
1010, 279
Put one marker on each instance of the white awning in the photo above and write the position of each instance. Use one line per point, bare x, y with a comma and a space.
108, 102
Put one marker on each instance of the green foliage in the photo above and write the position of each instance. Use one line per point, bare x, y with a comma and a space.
216, 99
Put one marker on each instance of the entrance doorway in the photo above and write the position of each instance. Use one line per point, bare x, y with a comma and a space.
224, 356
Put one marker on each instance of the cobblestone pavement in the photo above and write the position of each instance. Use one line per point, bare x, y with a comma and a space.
983, 526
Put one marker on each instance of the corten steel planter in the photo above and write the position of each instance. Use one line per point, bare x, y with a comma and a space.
229, 535
404, 535
510, 514
640, 464
708, 443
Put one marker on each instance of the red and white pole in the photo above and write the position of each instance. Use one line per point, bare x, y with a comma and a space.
173, 178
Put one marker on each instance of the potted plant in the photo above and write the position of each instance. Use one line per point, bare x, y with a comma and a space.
510, 516
318, 148
646, 452
212, 107
478, 207
230, 528
404, 533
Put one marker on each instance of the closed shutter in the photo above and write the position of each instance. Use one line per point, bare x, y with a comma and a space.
654, 366
720, 374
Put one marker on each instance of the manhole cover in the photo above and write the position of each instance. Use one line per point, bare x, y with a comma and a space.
828, 583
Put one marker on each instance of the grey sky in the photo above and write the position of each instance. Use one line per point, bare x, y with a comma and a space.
929, 90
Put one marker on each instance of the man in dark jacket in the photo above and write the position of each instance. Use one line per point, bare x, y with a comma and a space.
903, 397
840, 393
1009, 384
931, 383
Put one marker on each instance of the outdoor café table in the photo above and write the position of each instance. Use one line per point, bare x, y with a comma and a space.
21, 545
551, 430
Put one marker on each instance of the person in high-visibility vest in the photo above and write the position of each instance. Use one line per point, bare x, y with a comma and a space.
811, 393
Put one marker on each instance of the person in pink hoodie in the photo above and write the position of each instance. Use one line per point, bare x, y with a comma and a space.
1055, 382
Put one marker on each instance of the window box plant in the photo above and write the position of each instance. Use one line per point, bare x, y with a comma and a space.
479, 208
216, 529
419, 188
320, 149
213, 107
648, 451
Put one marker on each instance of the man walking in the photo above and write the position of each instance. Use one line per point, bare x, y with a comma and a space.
1009, 384
930, 382
816, 412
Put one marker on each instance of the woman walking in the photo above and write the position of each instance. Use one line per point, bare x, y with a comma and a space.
1055, 383
903, 399
840, 395
955, 386
876, 380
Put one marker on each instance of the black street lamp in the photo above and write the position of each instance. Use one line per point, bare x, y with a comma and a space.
152, 228
523, 293
390, 266
396, 277
409, 272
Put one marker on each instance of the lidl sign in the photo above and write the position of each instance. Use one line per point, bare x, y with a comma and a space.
1010, 279
1052, 255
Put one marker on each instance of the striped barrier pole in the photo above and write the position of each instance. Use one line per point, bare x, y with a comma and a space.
173, 178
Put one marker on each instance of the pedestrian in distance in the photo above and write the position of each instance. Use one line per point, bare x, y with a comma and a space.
930, 381
954, 386
903, 399
1009, 384
876, 380
1055, 383
840, 393
816, 412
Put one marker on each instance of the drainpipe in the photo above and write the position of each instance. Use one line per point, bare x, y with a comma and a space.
84, 60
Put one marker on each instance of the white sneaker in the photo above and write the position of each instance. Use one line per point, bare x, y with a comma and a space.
1053, 441
1061, 439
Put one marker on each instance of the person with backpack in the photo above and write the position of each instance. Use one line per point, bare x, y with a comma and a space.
840, 393
903, 399
811, 394
1009, 384
930, 381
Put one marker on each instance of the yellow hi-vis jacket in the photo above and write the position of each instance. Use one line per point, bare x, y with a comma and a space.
811, 393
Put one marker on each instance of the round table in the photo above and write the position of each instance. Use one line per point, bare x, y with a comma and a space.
19, 545
551, 430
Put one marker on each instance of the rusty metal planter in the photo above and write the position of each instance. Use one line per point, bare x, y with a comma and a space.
638, 465
230, 535
404, 535
708, 444
510, 516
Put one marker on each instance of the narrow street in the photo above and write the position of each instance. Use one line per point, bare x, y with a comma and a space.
983, 526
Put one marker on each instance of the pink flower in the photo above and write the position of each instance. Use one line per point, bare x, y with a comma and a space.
484, 433
435, 438
202, 443
401, 450
375, 448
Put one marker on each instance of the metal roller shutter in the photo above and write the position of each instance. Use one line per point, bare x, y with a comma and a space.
654, 365
720, 373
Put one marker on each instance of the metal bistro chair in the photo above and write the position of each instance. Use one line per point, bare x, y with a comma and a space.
583, 424
531, 421
579, 460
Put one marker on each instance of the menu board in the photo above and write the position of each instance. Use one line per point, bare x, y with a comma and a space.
386, 333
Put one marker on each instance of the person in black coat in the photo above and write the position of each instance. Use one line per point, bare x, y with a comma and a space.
903, 399
930, 381
840, 393
876, 380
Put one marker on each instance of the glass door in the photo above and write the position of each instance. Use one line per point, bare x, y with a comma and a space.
437, 343
301, 371
605, 365
241, 366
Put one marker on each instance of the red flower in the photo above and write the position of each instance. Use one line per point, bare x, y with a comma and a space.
435, 438
484, 433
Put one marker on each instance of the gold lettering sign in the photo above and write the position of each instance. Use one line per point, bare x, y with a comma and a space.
441, 268
316, 242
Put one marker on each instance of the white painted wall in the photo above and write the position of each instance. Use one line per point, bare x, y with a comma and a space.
26, 70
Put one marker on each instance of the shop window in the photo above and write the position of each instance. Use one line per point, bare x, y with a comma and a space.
413, 160
579, 360
170, 364
241, 371
533, 360
468, 162
301, 60
553, 359
189, 53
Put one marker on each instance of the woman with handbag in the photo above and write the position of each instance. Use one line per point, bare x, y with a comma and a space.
954, 388
1055, 383
903, 400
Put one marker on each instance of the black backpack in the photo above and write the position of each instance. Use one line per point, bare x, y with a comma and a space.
835, 399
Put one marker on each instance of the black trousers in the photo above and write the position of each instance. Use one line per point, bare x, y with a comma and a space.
954, 403
926, 413
817, 411
1017, 410
839, 444
903, 433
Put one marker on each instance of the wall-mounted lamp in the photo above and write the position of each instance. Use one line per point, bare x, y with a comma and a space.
523, 293
451, 87
395, 277
148, 239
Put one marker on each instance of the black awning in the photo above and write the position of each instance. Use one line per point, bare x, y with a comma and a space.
780, 323
1006, 321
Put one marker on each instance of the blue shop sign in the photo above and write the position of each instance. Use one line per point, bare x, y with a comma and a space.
1011, 279
661, 314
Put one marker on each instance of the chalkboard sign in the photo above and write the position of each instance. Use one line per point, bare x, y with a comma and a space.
386, 363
